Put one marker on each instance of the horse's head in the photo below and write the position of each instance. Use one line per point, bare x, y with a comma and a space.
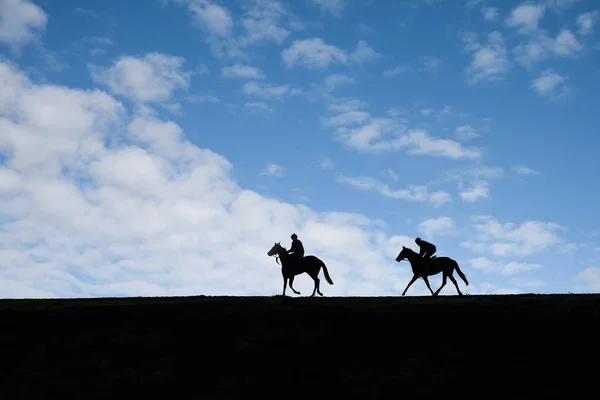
403, 253
276, 249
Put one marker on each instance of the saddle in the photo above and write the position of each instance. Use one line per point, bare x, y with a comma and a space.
427, 262
297, 261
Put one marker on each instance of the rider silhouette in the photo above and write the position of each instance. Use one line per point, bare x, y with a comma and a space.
297, 249
427, 249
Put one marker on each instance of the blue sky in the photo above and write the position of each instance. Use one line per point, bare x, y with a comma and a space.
161, 147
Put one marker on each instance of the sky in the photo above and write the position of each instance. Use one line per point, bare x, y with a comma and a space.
161, 147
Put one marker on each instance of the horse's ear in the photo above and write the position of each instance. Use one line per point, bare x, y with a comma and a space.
403, 247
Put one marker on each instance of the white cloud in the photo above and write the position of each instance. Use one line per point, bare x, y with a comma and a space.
480, 189
363, 54
439, 198
528, 283
348, 118
333, 7
541, 47
391, 174
524, 170
473, 182
423, 144
326, 163
257, 106
570, 247
345, 105
203, 99
474, 173
272, 169
101, 40
489, 13
586, 22
510, 239
20, 22
566, 44
525, 17
591, 277
412, 193
466, 132
559, 6
387, 135
437, 227
212, 17
431, 64
483, 264
98, 202
242, 71
151, 78
549, 84
490, 62
512, 268
265, 91
333, 81
314, 53
396, 70
261, 21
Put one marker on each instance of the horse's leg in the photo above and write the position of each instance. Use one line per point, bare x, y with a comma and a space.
455, 284
316, 288
414, 278
427, 283
291, 283
318, 281
284, 284
443, 284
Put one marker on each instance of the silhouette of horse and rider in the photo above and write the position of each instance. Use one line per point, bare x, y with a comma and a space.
293, 262
423, 264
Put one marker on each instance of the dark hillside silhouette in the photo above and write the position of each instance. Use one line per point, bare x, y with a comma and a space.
290, 267
423, 268
280, 347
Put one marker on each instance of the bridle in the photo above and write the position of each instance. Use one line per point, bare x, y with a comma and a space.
276, 258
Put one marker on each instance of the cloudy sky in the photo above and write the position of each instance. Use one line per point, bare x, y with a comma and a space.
161, 147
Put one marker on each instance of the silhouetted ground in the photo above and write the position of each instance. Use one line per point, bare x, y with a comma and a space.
240, 347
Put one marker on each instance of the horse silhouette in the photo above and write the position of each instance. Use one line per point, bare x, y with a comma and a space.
436, 265
289, 269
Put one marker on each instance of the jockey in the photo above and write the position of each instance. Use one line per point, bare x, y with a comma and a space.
427, 249
297, 249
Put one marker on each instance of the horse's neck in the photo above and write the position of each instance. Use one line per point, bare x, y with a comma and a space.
414, 260
283, 254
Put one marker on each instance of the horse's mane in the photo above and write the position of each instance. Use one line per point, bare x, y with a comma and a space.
283, 247
411, 250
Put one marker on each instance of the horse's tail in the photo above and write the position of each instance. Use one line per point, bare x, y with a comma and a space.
460, 273
326, 273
